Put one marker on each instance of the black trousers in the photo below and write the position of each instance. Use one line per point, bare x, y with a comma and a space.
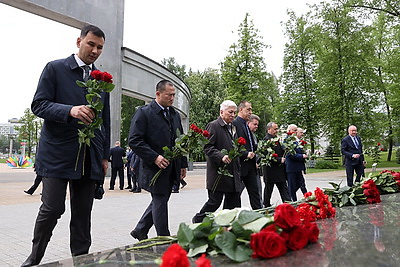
156, 214
231, 201
359, 168
251, 184
53, 206
114, 171
269, 188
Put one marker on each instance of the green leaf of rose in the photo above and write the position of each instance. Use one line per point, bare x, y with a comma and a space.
226, 241
185, 235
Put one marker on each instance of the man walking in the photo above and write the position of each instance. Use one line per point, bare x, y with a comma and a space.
117, 165
275, 174
294, 166
62, 105
219, 186
154, 126
248, 168
353, 152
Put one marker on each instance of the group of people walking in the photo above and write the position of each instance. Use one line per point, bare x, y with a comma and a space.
62, 164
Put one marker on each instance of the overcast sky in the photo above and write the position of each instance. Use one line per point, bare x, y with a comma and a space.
197, 34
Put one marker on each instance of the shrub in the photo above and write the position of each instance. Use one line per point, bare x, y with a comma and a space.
326, 164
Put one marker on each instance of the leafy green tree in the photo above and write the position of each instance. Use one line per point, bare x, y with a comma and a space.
208, 92
382, 37
175, 68
29, 129
244, 72
300, 103
389, 7
344, 74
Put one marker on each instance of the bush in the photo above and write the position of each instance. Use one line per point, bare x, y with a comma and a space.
326, 164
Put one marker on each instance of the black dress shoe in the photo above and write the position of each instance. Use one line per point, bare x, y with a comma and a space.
175, 191
128, 187
111, 188
135, 234
28, 192
30, 262
136, 191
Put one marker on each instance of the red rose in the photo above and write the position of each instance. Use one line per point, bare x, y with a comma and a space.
267, 244
206, 133
274, 155
307, 194
312, 231
97, 75
270, 228
175, 256
289, 133
297, 238
306, 213
193, 126
303, 142
107, 77
203, 261
382, 149
286, 216
241, 141
378, 144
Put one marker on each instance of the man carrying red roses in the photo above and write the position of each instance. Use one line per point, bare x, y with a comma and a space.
222, 134
275, 174
248, 164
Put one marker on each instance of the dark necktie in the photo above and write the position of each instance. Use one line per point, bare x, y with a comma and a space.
250, 137
86, 72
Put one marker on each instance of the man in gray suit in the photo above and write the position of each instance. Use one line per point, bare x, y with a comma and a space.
222, 133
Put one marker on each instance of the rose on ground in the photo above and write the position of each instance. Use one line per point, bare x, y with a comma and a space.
267, 244
286, 216
175, 256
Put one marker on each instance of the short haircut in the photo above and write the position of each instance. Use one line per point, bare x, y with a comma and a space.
269, 125
242, 104
93, 29
161, 85
291, 126
227, 104
254, 117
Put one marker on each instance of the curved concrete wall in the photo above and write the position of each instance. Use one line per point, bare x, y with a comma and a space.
141, 74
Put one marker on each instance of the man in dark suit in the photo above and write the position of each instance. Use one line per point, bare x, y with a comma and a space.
295, 166
62, 105
117, 165
253, 124
222, 133
353, 152
248, 164
154, 126
275, 173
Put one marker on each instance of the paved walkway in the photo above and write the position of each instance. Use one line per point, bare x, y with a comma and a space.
112, 219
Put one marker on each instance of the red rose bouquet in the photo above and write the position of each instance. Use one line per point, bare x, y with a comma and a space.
183, 144
316, 206
101, 82
233, 154
286, 232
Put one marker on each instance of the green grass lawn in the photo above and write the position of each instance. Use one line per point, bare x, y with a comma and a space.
390, 165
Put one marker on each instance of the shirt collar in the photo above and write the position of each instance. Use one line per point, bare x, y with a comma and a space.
81, 63
161, 107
